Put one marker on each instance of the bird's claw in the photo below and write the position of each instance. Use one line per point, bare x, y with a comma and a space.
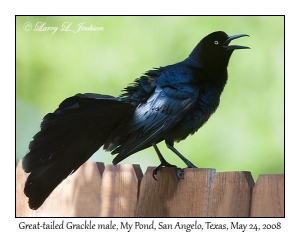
154, 173
180, 173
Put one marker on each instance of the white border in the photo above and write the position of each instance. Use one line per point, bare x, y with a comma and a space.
9, 9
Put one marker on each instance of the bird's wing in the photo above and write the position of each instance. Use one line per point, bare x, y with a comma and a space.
142, 88
165, 107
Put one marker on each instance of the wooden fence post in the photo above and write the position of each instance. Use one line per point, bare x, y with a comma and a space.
192, 193
21, 200
230, 195
122, 191
78, 195
153, 196
268, 196
119, 190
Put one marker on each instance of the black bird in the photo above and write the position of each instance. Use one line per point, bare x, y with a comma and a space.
165, 104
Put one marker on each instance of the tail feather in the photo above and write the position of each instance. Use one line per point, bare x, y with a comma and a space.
69, 137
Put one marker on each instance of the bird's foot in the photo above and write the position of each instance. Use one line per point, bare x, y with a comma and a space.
163, 164
180, 171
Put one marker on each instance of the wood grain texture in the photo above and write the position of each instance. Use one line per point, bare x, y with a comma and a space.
230, 195
154, 195
76, 196
191, 196
21, 199
122, 191
119, 190
268, 196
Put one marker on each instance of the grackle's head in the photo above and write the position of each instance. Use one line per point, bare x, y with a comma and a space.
214, 51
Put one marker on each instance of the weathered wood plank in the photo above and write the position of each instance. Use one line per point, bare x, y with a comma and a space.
191, 196
21, 199
230, 195
122, 191
154, 195
268, 196
119, 190
76, 196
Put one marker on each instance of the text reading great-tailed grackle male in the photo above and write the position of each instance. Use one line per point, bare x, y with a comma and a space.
165, 104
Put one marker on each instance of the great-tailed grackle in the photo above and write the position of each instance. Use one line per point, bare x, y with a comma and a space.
167, 103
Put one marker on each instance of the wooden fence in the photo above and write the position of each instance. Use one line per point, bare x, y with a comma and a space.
123, 191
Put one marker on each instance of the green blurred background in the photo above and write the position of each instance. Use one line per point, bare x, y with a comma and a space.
245, 134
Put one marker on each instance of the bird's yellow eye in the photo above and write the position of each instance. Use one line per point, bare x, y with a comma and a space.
216, 42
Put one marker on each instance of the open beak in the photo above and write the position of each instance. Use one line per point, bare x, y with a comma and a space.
232, 47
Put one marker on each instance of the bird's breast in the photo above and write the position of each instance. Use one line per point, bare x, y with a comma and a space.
206, 105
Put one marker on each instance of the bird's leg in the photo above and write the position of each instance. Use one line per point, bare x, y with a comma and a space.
189, 164
163, 162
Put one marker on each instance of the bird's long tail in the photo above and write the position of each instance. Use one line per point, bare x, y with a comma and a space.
69, 137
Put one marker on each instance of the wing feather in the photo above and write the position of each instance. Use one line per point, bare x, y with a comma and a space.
151, 120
